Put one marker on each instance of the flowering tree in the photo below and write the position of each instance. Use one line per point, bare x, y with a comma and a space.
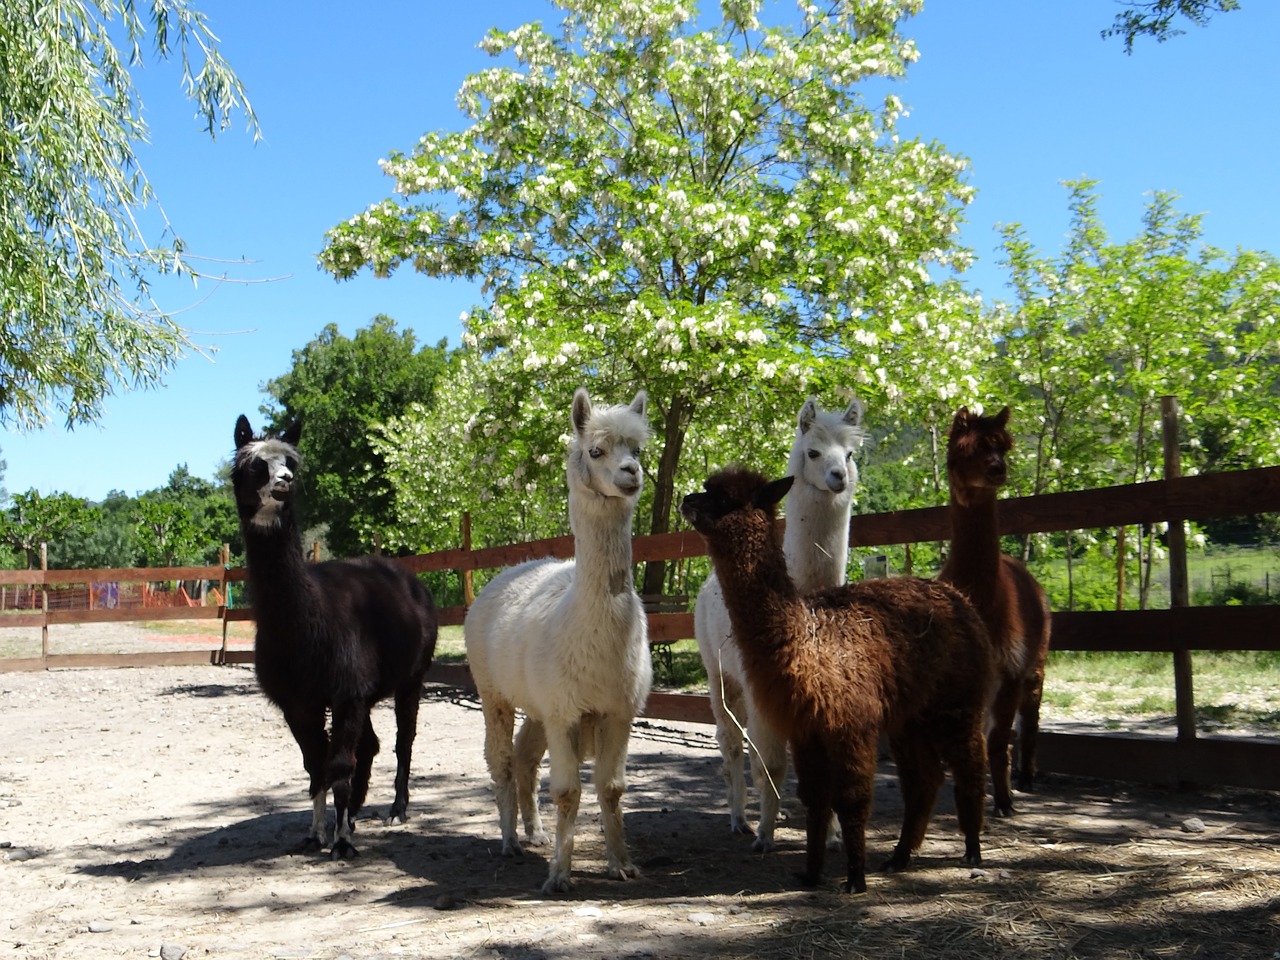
713, 213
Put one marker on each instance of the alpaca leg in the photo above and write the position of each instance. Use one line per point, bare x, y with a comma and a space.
349, 723
531, 746
407, 699
307, 727
852, 805
920, 774
1029, 732
768, 774
1003, 711
365, 752
968, 764
814, 788
499, 722
566, 793
612, 735
728, 707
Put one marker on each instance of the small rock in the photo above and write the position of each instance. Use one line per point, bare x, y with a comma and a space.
588, 912
5, 844
99, 926
172, 951
18, 854
1005, 875
1193, 825
976, 874
703, 919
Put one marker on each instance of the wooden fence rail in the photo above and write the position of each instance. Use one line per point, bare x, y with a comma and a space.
1248, 762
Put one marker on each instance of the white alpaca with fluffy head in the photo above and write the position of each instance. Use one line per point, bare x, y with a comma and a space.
816, 544
566, 642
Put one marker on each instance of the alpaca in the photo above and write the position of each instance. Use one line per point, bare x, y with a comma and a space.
832, 669
337, 636
567, 643
1007, 597
816, 544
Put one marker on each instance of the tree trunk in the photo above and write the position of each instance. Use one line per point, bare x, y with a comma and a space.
664, 492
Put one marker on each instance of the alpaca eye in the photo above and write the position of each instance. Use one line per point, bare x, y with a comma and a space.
849, 455
635, 452
813, 454
595, 453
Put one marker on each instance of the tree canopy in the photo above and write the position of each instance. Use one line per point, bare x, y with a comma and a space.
342, 389
712, 211
1157, 18
76, 316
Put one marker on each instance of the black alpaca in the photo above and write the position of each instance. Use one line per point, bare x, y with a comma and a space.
337, 636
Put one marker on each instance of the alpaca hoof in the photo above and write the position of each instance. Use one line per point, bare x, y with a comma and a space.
762, 844
557, 883
807, 880
737, 826
512, 848
897, 863
624, 871
538, 839
854, 885
310, 844
399, 814
1004, 809
835, 842
343, 850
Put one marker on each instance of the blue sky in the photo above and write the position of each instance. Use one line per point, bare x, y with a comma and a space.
1025, 89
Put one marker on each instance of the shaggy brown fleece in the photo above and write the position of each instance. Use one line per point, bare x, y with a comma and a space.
835, 668
1007, 597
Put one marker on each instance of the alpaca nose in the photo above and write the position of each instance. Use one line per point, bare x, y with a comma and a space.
836, 481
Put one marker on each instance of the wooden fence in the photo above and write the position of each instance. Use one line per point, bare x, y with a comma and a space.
1184, 758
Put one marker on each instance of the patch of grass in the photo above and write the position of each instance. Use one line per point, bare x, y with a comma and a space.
449, 646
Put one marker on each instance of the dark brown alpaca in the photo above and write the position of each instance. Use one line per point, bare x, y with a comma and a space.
834, 668
1007, 597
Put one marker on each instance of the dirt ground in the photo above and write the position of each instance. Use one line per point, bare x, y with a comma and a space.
156, 812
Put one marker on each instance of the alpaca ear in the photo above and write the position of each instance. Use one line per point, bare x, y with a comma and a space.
581, 410
292, 433
961, 420
853, 412
1002, 418
244, 432
640, 403
808, 413
772, 493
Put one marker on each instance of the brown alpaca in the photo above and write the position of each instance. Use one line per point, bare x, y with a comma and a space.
1006, 595
834, 668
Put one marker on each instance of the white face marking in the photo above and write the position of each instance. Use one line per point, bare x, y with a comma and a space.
281, 461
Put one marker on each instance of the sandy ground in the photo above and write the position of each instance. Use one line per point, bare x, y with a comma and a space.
157, 812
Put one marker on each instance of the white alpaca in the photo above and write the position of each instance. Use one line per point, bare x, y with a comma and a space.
816, 544
567, 643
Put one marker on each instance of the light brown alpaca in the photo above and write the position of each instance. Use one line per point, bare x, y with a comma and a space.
832, 669
1007, 597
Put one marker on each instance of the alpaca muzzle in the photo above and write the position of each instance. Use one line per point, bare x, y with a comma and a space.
281, 491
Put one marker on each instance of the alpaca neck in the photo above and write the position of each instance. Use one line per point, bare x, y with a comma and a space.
758, 591
277, 572
601, 543
974, 563
816, 541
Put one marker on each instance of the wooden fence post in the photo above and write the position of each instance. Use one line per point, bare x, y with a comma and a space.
468, 582
1178, 593
44, 602
224, 559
